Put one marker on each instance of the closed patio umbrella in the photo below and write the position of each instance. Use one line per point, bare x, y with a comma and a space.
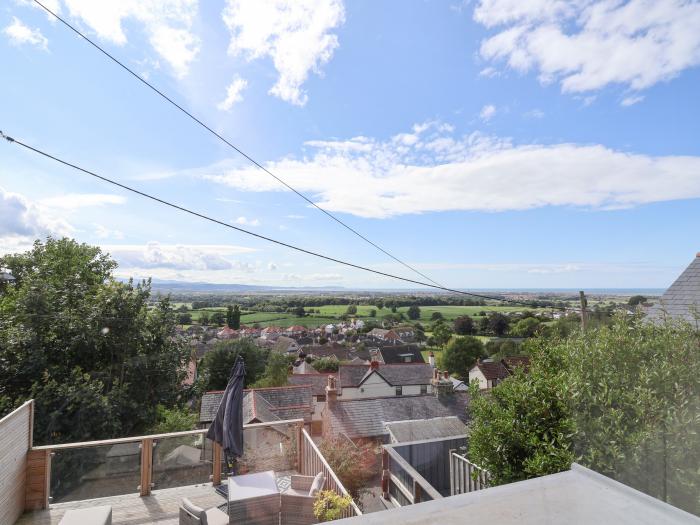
227, 427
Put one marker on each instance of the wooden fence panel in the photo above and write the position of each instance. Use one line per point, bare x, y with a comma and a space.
15, 441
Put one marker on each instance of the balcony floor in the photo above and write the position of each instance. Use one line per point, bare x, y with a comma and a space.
161, 507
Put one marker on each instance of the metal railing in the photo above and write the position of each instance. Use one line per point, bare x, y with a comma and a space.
312, 462
112, 467
465, 476
403, 484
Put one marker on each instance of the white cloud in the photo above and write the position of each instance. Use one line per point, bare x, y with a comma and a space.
294, 34
72, 201
244, 221
167, 23
233, 94
631, 101
586, 45
271, 266
19, 34
443, 172
487, 112
178, 256
22, 221
296, 217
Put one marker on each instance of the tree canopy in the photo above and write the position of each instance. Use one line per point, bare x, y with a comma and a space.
89, 350
621, 399
413, 312
460, 355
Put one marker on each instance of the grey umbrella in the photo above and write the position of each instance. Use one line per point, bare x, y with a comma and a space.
227, 427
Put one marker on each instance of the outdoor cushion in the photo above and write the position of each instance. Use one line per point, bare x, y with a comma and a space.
195, 511
216, 517
317, 485
93, 515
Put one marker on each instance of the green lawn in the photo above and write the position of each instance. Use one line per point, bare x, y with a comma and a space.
331, 314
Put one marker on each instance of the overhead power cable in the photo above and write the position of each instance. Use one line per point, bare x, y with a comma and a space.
227, 142
257, 235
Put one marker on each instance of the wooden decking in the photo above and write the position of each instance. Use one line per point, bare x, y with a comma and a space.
161, 507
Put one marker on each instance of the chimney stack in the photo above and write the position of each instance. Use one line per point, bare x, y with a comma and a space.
374, 365
431, 359
331, 390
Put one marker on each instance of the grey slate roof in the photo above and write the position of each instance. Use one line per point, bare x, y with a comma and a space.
397, 354
368, 417
317, 381
418, 429
394, 374
264, 404
682, 299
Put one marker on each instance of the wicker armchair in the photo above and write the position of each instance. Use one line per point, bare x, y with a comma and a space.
297, 503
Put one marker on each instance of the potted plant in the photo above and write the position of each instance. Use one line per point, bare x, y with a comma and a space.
330, 506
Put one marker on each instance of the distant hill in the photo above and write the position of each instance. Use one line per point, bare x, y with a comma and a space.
159, 285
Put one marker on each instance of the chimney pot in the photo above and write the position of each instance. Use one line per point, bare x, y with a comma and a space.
374, 365
447, 374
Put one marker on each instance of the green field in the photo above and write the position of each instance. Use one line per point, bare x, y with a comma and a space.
332, 313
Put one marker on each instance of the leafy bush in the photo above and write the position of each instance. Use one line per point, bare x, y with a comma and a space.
330, 506
326, 364
354, 464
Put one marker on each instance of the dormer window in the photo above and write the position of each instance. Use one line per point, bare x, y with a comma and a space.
399, 391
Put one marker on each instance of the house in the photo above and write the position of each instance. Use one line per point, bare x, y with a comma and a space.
295, 331
368, 418
399, 354
489, 372
285, 345
380, 380
263, 405
227, 333
383, 335
423, 429
317, 382
406, 333
458, 385
270, 333
340, 352
682, 299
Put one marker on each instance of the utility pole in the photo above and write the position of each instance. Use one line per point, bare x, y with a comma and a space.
584, 310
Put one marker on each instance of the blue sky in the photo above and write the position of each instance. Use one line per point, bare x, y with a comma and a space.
492, 143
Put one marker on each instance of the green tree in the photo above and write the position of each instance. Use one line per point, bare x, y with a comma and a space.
351, 310
233, 317
464, 325
89, 350
373, 313
276, 372
460, 355
184, 318
413, 312
637, 300
621, 399
215, 369
437, 316
442, 333
173, 419
326, 364
218, 318
498, 324
523, 429
526, 327
299, 311
204, 318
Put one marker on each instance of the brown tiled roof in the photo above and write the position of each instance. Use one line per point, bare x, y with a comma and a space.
492, 369
516, 361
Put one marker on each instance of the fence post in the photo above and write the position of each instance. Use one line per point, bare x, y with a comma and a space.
216, 464
300, 448
146, 466
417, 491
385, 474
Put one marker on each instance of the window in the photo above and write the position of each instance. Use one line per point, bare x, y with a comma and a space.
424, 389
399, 390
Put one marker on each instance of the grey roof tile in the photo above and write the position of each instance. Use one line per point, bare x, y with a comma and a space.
682, 297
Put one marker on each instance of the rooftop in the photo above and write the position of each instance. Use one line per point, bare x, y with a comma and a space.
263, 404
420, 429
577, 496
682, 299
394, 374
368, 417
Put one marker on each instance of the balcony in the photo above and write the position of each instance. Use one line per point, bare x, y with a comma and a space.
142, 478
